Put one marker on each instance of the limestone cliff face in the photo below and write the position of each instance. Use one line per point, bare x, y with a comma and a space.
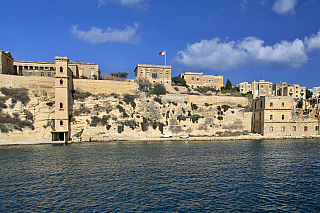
129, 117
27, 111
26, 117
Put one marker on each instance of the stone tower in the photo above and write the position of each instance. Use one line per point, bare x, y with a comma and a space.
63, 100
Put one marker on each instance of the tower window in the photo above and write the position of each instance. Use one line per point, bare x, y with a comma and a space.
61, 123
61, 69
61, 105
61, 82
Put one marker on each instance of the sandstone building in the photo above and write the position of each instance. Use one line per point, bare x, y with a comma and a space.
48, 69
293, 90
63, 100
153, 73
261, 88
279, 116
6, 63
194, 80
244, 87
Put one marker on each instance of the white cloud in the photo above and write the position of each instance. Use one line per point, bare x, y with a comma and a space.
138, 4
243, 5
221, 55
313, 43
96, 35
284, 6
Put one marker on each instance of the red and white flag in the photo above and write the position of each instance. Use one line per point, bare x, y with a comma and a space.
162, 53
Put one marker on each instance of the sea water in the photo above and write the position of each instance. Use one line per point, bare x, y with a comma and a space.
163, 176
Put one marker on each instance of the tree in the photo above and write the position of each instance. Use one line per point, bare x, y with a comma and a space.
228, 85
309, 94
179, 81
158, 89
123, 75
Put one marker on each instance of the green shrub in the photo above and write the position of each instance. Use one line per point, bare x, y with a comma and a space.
194, 118
194, 106
225, 107
17, 94
81, 95
181, 117
158, 89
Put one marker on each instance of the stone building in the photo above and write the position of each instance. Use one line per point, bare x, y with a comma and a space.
245, 87
48, 69
153, 73
194, 80
261, 88
63, 100
6, 63
278, 116
293, 90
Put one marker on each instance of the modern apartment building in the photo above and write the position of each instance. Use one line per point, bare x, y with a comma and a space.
293, 90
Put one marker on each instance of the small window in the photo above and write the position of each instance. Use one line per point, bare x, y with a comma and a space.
271, 117
61, 69
61, 82
282, 129
49, 74
317, 128
271, 104
61, 105
305, 128
294, 128
197, 79
282, 104
271, 128
282, 117
42, 74
61, 123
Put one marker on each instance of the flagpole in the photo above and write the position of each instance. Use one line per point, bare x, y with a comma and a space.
165, 57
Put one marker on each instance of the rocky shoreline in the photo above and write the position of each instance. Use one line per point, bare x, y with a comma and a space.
231, 138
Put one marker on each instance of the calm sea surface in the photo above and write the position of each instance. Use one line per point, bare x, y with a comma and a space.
236, 176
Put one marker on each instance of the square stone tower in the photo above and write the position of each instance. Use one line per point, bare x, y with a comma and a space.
63, 100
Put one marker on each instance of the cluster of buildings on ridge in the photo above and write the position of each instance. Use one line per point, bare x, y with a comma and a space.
10, 66
277, 110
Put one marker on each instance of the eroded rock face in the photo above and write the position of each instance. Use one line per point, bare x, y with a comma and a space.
111, 118
118, 117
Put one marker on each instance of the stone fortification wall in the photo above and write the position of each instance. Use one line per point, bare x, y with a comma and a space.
176, 97
218, 100
105, 86
13, 81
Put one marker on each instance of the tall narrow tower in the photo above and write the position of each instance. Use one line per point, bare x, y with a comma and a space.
63, 100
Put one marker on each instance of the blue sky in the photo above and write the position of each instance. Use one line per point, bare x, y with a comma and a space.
243, 40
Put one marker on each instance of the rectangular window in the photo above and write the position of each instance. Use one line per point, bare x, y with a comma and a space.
271, 117
317, 128
305, 128
282, 117
42, 74
197, 79
282, 104
294, 128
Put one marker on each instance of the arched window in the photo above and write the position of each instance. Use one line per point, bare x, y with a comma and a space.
61, 123
61, 69
271, 128
61, 82
61, 105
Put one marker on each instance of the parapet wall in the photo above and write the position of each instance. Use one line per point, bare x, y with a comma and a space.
34, 82
105, 86
218, 100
